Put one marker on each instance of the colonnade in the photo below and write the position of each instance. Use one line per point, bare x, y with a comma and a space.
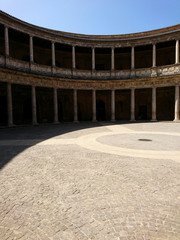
75, 100
53, 53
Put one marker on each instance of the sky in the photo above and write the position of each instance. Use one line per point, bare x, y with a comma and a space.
96, 17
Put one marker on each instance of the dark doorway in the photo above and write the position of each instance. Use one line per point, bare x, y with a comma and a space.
27, 110
60, 111
100, 110
3, 110
142, 114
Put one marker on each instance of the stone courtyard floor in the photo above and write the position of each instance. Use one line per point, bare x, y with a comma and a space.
85, 181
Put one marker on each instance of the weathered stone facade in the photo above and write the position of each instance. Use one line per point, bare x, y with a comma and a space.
96, 70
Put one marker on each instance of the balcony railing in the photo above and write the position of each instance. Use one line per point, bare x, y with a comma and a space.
15, 64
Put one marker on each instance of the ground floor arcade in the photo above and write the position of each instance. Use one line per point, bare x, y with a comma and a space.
23, 104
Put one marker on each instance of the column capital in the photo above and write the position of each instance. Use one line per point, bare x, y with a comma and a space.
6, 26
153, 42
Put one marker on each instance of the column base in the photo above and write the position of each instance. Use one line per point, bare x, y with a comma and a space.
113, 120
57, 122
133, 120
176, 120
76, 121
11, 125
94, 121
153, 120
35, 124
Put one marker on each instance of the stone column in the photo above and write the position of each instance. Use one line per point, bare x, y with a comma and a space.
112, 59
154, 104
154, 55
6, 41
73, 57
55, 106
75, 106
132, 104
177, 52
112, 105
94, 105
93, 58
132, 58
31, 49
176, 108
9, 105
34, 111
53, 54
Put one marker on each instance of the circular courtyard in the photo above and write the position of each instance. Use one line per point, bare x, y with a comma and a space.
90, 181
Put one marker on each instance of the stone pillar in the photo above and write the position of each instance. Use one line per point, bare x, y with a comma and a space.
177, 52
31, 49
93, 58
112, 59
73, 57
132, 104
154, 104
75, 106
112, 105
9, 105
94, 105
154, 55
55, 106
177, 104
132, 58
53, 54
34, 111
6, 41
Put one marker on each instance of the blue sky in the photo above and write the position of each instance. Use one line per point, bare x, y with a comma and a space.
96, 16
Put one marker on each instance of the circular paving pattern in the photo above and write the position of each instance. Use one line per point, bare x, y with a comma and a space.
141, 141
90, 182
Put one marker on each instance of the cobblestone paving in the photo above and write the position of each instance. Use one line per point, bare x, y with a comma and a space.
54, 187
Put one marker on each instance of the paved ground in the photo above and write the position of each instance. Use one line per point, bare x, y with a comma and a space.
90, 181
